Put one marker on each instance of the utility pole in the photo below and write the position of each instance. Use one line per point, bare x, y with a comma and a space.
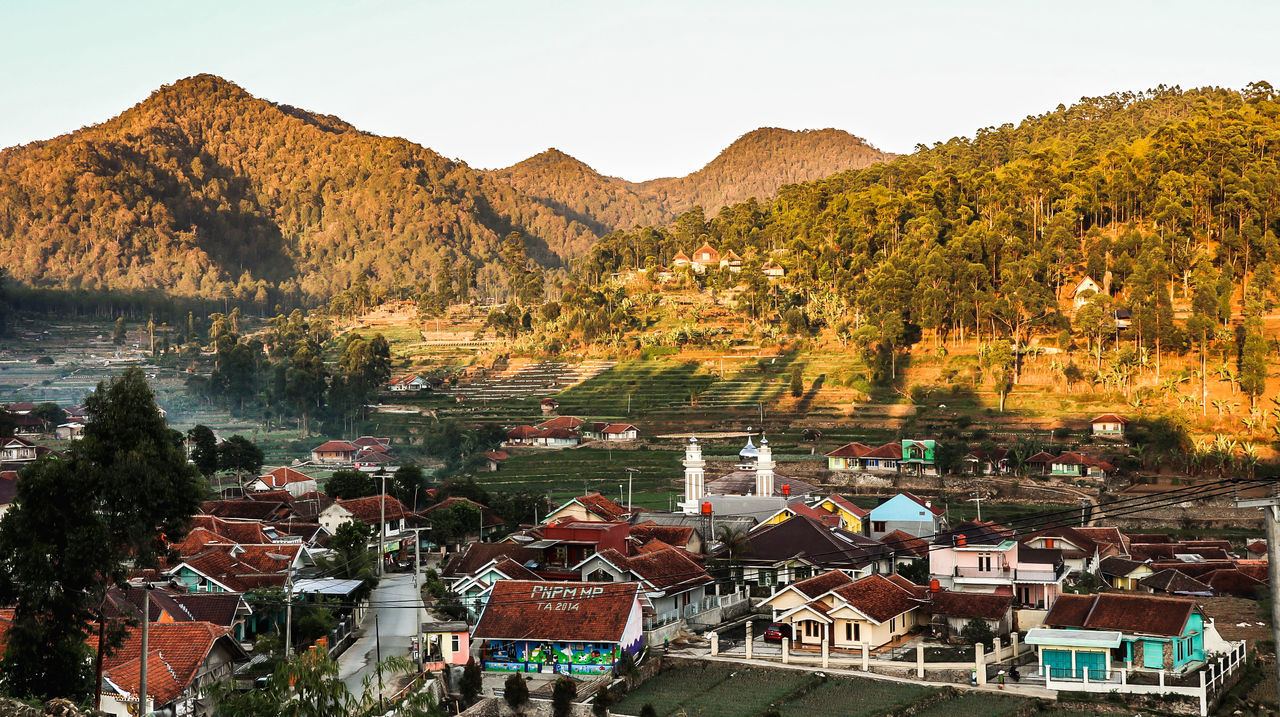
1084, 510
288, 614
978, 500
1270, 517
142, 663
382, 527
631, 474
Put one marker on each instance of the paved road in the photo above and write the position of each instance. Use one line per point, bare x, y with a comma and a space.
395, 623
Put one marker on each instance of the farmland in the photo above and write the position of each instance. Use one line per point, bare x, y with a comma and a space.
567, 473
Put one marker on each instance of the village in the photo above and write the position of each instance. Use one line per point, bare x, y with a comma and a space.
753, 567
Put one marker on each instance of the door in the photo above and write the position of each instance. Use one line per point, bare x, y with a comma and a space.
1152, 655
1057, 663
1094, 663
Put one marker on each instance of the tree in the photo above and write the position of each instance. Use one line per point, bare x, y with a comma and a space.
471, 682
797, 382
239, 454
997, 359
204, 450
1253, 361
76, 525
562, 695
409, 481
344, 485
454, 523
603, 701
349, 556
515, 691
50, 414
977, 631
118, 333
917, 571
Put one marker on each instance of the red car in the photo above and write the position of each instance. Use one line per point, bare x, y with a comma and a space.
777, 631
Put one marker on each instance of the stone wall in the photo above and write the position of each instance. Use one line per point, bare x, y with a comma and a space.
53, 708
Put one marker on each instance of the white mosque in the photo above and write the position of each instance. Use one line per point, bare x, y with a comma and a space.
753, 487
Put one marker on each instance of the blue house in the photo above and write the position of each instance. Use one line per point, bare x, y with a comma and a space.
908, 513
1095, 634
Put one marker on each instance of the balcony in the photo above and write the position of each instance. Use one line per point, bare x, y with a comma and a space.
1046, 574
998, 575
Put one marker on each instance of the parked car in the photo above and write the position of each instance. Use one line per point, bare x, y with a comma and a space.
777, 631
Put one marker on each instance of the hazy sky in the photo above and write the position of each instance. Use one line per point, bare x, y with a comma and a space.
639, 89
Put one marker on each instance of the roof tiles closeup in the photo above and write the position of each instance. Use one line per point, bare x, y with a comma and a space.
1142, 614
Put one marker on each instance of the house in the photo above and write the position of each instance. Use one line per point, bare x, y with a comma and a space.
619, 432
556, 438
772, 269
473, 589
572, 423
18, 450
237, 568
548, 405
680, 259
522, 435
1084, 289
1090, 632
802, 592
1038, 463
476, 556
918, 457
567, 543
874, 611
492, 461
372, 460
1257, 550
69, 431
773, 555
559, 627
847, 457
411, 382
906, 549
706, 257
335, 452
800, 508
852, 518
673, 581
287, 479
952, 611
1070, 464
685, 537
184, 659
984, 557
21, 408
591, 507
372, 443
1123, 573
1110, 540
1108, 425
370, 510
882, 459
1172, 581
444, 644
908, 513
228, 611
1080, 553
731, 261
981, 461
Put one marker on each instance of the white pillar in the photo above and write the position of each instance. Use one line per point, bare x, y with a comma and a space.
715, 644
920, 660
786, 650
979, 662
1162, 677
826, 653
1013, 644
749, 639
866, 657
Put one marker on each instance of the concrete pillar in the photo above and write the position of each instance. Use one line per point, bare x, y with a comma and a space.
980, 662
749, 638
1162, 677
1124, 677
786, 650
866, 657
826, 653
920, 660
715, 644
1013, 644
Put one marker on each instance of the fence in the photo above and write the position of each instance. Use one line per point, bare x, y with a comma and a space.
708, 603
1212, 679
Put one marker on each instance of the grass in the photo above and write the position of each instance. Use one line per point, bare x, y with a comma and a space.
637, 385
713, 690
974, 704
874, 697
563, 474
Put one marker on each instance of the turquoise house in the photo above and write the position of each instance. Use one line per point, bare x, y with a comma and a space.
919, 457
1092, 635
906, 512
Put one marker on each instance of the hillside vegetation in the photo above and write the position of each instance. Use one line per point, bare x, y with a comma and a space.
203, 190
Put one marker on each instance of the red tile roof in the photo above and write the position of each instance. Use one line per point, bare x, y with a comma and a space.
369, 508
677, 535
175, 654
928, 505
236, 531
335, 447
822, 584
558, 611
1143, 614
284, 476
1109, 418
905, 544
846, 504
602, 507
1040, 457
522, 432
850, 450
822, 516
988, 606
888, 450
877, 597
561, 422
1257, 547
618, 428
477, 555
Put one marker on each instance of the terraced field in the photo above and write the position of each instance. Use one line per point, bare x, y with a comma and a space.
563, 474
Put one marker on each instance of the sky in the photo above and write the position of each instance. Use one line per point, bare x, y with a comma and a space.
635, 89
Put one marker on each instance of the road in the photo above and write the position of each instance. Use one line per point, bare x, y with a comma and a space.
391, 621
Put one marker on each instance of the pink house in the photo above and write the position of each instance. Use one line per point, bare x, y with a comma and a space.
984, 557
444, 644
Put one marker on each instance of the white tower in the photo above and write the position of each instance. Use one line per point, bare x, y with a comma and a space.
764, 469
694, 478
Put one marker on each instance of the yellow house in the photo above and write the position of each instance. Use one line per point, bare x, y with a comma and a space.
852, 518
589, 508
873, 611
1123, 573
805, 591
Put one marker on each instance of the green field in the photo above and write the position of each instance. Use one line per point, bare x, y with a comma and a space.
638, 386
563, 474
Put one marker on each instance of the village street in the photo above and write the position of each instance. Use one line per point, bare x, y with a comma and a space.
392, 622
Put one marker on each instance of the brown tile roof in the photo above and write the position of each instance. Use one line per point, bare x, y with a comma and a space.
514, 570
557, 611
566, 422
175, 653
283, 476
335, 447
1109, 418
270, 496
671, 570
888, 450
820, 515
1143, 614
244, 508
988, 606
237, 531
1226, 581
850, 450
522, 432
1257, 547
1175, 582
369, 508
877, 597
1106, 536
602, 507
905, 543
371, 442
1040, 458
822, 584
1118, 566
677, 535
477, 555
556, 432
811, 540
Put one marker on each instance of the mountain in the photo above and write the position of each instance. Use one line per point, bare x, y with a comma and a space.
205, 190
756, 165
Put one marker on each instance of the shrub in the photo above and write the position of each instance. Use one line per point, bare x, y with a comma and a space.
797, 383
562, 695
471, 682
603, 701
45, 360
515, 691
1061, 433
977, 630
648, 711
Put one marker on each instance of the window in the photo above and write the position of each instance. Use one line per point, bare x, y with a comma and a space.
877, 526
848, 632
893, 624
456, 645
857, 632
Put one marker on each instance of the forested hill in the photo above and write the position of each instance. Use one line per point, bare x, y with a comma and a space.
1169, 199
755, 165
203, 189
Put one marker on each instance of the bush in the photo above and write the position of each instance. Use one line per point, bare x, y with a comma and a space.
562, 696
472, 681
797, 383
515, 691
648, 711
1061, 433
977, 631
45, 360
603, 701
